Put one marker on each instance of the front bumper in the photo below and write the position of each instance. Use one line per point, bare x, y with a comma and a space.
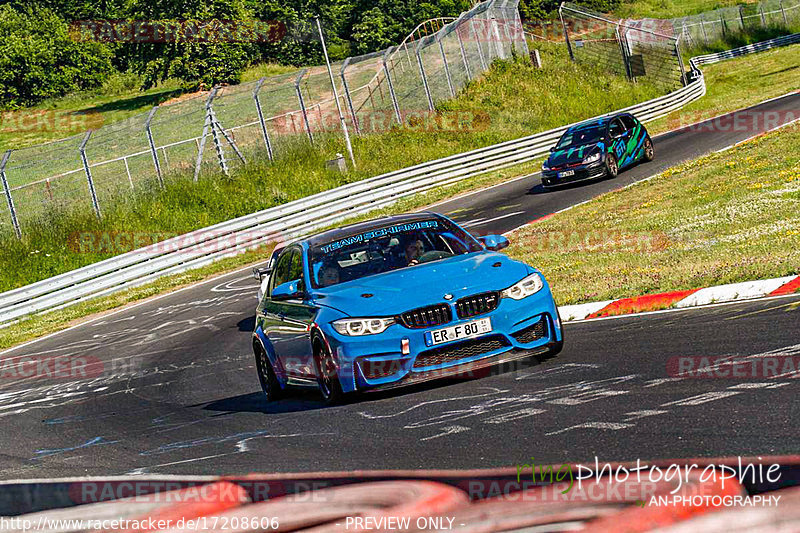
519, 329
596, 170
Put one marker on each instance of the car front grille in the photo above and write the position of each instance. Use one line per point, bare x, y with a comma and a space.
477, 304
533, 332
461, 350
425, 317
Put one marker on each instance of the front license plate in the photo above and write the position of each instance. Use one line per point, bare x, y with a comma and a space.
566, 174
461, 331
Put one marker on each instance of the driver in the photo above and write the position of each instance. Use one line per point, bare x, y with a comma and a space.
328, 275
414, 250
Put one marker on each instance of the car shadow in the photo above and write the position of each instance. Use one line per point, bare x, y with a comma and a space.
248, 324
295, 401
303, 399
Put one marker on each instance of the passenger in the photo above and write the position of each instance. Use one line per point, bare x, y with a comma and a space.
414, 250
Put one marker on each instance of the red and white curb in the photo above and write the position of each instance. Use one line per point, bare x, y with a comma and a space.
733, 292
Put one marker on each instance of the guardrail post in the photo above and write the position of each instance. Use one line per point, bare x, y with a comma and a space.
566, 32
389, 83
9, 199
422, 73
783, 12
463, 51
152, 145
347, 95
263, 124
303, 103
446, 66
92, 192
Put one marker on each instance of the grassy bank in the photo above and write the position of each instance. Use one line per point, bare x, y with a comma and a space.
728, 217
671, 8
739, 83
516, 98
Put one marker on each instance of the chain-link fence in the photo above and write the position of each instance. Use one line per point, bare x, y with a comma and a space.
711, 26
623, 47
230, 125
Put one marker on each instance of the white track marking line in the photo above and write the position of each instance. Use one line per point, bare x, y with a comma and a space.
481, 223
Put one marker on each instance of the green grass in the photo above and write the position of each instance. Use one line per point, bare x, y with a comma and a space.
516, 98
728, 217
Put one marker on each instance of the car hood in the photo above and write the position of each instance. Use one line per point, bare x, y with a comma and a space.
573, 154
408, 288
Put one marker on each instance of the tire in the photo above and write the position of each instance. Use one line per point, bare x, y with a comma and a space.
266, 375
612, 168
648, 150
330, 388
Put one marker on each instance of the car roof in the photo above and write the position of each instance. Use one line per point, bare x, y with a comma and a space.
602, 121
360, 227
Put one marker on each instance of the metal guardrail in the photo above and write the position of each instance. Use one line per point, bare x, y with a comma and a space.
303, 216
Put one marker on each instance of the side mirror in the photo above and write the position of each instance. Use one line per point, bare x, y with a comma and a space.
260, 273
552, 149
494, 242
291, 290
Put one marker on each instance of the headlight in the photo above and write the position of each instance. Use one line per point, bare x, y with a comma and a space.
594, 158
355, 327
545, 166
522, 289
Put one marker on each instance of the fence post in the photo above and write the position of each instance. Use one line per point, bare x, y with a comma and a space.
623, 51
446, 66
680, 60
741, 16
566, 32
722, 22
152, 144
422, 73
501, 53
763, 18
208, 123
303, 103
389, 83
356, 126
783, 12
463, 51
705, 35
14, 221
89, 179
264, 132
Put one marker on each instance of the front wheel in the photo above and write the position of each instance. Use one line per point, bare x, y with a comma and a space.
612, 168
649, 151
327, 375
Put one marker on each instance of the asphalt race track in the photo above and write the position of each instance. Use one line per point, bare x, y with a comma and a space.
172, 386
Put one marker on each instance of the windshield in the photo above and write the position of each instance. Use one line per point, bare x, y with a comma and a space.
580, 136
385, 249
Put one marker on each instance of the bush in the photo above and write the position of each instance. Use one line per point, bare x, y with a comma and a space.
39, 59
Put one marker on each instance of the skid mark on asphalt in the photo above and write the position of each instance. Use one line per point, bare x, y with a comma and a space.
97, 441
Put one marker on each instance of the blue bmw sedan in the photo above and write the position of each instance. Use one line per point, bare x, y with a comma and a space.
396, 301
